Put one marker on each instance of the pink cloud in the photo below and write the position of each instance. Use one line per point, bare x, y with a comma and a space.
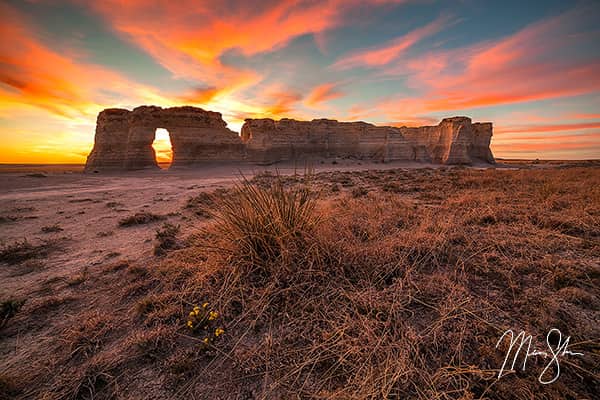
392, 50
520, 68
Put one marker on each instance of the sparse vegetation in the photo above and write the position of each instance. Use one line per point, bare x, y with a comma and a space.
8, 309
399, 294
140, 218
24, 250
8, 218
205, 322
359, 192
51, 228
167, 239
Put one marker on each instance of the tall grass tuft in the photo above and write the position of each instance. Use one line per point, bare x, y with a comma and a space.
262, 225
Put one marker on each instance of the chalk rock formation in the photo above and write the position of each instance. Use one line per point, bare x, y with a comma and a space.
124, 140
454, 141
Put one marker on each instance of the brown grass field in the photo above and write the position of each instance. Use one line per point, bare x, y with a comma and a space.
379, 284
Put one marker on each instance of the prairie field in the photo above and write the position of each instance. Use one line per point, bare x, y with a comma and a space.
391, 283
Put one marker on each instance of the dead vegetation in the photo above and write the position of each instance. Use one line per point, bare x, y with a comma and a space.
140, 218
8, 309
167, 239
400, 292
24, 250
51, 228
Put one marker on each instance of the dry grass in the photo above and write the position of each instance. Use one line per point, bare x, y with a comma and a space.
24, 250
140, 218
167, 239
400, 292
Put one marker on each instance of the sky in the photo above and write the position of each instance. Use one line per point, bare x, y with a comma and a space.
530, 67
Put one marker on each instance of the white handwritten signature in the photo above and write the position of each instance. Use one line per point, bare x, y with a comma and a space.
561, 350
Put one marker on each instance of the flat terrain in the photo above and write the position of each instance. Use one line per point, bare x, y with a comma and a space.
399, 287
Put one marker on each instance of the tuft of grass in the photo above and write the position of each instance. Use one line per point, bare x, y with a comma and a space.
52, 228
259, 224
8, 309
8, 218
78, 279
140, 218
23, 250
167, 239
359, 191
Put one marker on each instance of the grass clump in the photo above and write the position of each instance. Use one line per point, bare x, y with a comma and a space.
140, 218
167, 239
51, 228
261, 225
24, 250
8, 309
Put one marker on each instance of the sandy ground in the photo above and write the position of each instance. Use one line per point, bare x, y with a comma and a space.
88, 208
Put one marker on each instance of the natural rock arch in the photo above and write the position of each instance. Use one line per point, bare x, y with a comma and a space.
124, 140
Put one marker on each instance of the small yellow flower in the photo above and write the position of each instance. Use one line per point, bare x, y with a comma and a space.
205, 340
192, 314
213, 315
219, 331
196, 309
204, 305
190, 324
196, 312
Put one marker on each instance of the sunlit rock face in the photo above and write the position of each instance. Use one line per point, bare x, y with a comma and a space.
124, 140
454, 141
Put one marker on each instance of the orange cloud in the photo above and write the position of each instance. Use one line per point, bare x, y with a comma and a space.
392, 50
321, 93
201, 95
190, 37
33, 74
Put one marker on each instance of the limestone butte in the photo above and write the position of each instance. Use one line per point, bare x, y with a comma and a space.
123, 140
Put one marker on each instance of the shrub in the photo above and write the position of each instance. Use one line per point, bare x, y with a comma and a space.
259, 224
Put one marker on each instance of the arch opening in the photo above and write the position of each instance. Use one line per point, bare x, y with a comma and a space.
163, 148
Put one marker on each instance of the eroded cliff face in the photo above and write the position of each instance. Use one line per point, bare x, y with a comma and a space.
124, 140
454, 141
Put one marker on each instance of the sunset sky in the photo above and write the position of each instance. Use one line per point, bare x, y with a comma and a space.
532, 68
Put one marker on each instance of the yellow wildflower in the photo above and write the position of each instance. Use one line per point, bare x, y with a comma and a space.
205, 340
190, 324
213, 315
196, 309
219, 331
192, 314
204, 305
